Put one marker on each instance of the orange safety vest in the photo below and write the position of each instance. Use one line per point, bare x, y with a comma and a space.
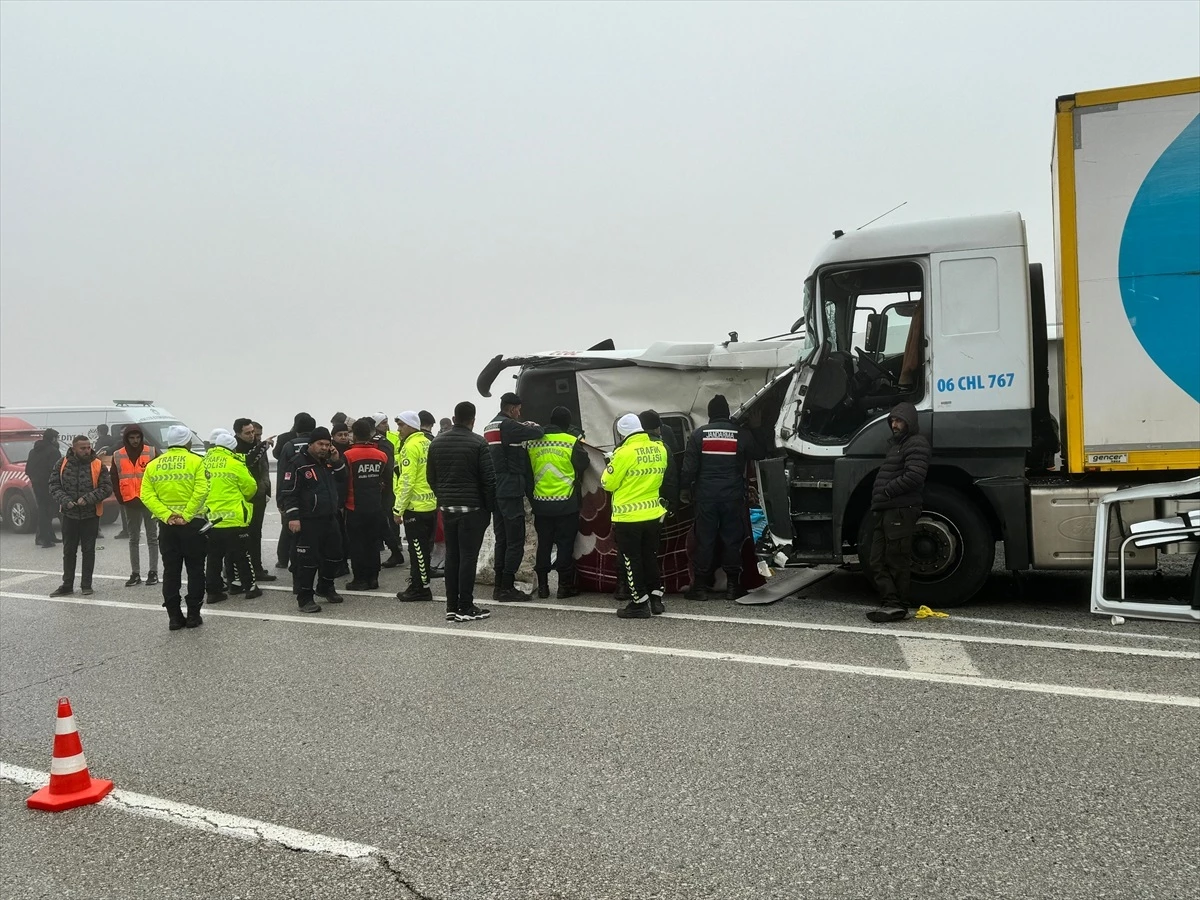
96, 465
130, 472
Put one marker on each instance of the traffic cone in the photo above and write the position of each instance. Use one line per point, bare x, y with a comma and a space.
70, 783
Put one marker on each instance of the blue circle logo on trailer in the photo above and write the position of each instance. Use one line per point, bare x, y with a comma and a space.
1159, 265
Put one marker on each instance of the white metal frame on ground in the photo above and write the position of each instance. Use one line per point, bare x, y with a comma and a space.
1175, 530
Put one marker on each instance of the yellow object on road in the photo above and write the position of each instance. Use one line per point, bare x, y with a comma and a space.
925, 612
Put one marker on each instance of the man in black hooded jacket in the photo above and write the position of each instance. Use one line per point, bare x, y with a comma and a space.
896, 500
289, 447
43, 458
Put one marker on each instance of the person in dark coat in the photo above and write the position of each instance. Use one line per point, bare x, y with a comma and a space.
896, 499
252, 447
289, 447
43, 459
310, 495
507, 435
79, 484
459, 471
714, 470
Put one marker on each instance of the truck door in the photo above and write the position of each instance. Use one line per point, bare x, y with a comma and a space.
980, 348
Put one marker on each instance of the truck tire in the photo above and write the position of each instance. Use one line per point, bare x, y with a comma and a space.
111, 513
953, 549
19, 514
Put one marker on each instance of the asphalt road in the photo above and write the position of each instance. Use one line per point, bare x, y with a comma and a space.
1013, 750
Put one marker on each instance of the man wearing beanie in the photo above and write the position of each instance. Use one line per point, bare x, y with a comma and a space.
174, 489
714, 470
506, 436
557, 462
289, 447
634, 477
231, 490
309, 495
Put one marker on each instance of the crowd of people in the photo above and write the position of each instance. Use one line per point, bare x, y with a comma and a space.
345, 492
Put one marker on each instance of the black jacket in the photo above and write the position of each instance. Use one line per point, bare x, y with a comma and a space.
505, 436
259, 466
74, 482
384, 443
901, 478
459, 469
43, 459
669, 491
714, 464
311, 489
288, 452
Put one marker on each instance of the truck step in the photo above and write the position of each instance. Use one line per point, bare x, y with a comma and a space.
806, 483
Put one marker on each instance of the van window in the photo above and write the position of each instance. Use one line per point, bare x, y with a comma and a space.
156, 432
17, 451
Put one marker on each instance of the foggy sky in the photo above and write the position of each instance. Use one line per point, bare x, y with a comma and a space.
250, 209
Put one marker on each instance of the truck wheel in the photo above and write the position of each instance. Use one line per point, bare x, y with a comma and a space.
953, 549
19, 514
111, 513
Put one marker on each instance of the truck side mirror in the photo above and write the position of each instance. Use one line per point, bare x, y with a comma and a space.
876, 332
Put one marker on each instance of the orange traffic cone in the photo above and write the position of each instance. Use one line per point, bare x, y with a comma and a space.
70, 783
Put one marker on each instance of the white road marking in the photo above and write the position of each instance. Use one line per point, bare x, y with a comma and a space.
947, 657
13, 580
869, 630
650, 650
209, 820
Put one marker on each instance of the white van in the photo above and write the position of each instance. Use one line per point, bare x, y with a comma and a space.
69, 421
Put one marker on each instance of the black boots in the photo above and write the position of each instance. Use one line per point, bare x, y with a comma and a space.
734, 589
508, 591
566, 590
543, 586
193, 619
174, 615
888, 612
656, 602
635, 609
696, 591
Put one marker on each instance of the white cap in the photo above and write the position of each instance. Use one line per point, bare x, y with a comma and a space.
222, 437
629, 424
179, 436
379, 418
411, 419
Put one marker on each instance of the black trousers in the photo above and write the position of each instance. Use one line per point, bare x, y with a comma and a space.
464, 536
364, 531
182, 545
256, 528
557, 533
391, 528
891, 552
232, 546
637, 542
318, 548
77, 534
723, 520
419, 528
509, 524
46, 511
283, 550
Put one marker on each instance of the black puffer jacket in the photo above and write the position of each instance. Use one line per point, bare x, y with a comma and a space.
73, 481
901, 478
459, 469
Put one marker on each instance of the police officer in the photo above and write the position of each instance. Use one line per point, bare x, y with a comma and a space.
174, 489
309, 500
634, 477
416, 505
231, 490
714, 470
506, 435
557, 463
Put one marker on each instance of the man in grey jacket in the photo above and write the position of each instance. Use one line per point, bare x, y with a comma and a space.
79, 485
896, 500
